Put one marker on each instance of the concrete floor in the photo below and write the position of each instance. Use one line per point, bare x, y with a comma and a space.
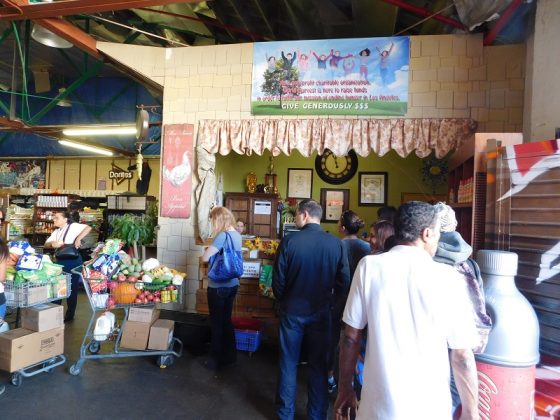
136, 388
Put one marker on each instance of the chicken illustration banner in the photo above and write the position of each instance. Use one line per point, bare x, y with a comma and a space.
176, 172
359, 76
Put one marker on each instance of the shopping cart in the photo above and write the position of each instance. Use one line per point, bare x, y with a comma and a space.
26, 295
99, 293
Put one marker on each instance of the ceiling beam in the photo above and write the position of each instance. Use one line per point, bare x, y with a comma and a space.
72, 34
426, 13
504, 19
22, 9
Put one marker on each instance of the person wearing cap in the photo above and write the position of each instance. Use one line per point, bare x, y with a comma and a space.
454, 251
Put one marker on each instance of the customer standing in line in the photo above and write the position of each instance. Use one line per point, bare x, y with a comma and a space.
68, 232
223, 350
454, 251
356, 248
414, 309
378, 234
310, 272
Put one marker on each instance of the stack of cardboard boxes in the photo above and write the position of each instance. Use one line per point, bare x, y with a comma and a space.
144, 330
40, 338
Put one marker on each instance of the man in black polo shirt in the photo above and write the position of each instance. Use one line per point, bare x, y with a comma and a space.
310, 271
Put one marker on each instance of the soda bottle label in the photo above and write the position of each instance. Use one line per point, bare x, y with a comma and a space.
505, 392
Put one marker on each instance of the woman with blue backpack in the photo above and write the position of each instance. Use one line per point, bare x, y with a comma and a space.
222, 286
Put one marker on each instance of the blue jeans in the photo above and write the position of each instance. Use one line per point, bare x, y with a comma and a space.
220, 304
315, 329
2, 310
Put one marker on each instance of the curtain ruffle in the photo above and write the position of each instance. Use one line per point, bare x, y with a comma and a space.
404, 136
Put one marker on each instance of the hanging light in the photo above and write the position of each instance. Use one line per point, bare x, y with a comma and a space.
86, 147
63, 102
48, 38
107, 130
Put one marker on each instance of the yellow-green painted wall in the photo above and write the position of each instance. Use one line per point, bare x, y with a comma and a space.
403, 176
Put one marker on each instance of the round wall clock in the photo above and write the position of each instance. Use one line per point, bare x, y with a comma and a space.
336, 170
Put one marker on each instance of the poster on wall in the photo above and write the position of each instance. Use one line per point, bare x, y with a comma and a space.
23, 173
176, 171
356, 76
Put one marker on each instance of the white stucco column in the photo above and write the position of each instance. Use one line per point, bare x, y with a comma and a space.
542, 83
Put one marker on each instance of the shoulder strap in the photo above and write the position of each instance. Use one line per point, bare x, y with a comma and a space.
66, 232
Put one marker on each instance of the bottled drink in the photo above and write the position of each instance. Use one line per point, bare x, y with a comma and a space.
506, 369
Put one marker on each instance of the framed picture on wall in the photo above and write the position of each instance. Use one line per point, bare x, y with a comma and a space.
429, 198
300, 183
334, 203
372, 188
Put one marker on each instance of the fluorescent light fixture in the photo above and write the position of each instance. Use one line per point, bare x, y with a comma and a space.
86, 147
119, 130
48, 38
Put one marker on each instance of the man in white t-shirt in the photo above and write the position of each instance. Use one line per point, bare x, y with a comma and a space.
415, 309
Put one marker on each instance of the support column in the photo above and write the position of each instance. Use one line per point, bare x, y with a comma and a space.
542, 84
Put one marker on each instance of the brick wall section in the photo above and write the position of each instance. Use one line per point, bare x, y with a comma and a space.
450, 76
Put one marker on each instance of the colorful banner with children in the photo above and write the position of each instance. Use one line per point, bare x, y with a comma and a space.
358, 76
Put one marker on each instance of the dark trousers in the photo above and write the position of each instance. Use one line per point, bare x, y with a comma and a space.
315, 329
72, 300
220, 304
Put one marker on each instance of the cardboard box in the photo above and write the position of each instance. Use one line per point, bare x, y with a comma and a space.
43, 317
161, 334
135, 335
143, 314
20, 348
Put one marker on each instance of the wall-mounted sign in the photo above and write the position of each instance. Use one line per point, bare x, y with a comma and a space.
359, 76
119, 174
176, 170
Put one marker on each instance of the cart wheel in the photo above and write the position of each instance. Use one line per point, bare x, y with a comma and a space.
164, 361
74, 370
94, 347
17, 379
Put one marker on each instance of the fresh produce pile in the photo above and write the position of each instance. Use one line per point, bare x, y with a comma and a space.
26, 268
115, 278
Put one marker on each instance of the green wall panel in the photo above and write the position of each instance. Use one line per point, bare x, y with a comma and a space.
403, 174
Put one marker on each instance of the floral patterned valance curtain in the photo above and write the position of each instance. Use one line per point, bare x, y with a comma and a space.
421, 135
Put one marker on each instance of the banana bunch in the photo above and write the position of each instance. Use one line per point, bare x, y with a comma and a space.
159, 271
178, 273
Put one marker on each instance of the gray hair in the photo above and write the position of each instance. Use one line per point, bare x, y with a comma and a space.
446, 217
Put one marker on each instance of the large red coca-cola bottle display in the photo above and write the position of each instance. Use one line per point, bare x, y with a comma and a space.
506, 369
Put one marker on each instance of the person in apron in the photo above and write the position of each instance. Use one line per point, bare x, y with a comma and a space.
67, 232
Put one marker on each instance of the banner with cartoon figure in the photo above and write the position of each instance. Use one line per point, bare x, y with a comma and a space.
357, 76
176, 171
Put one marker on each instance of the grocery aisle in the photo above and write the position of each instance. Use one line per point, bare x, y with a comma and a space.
135, 388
